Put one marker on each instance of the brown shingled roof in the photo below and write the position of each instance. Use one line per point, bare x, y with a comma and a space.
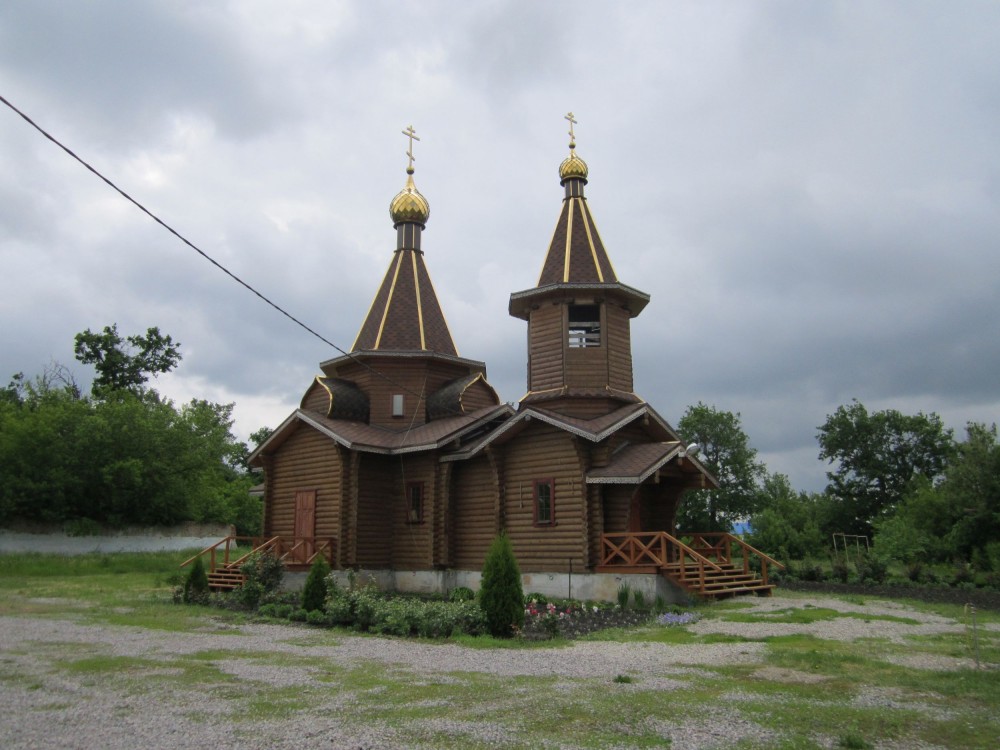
582, 259
634, 463
405, 314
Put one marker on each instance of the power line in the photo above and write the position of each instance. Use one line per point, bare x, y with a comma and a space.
201, 252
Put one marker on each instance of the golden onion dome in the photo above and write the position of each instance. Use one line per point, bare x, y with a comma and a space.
573, 166
409, 205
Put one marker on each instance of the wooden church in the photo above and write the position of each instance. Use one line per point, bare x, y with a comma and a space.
403, 461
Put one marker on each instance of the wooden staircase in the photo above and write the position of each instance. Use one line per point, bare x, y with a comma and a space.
704, 566
227, 556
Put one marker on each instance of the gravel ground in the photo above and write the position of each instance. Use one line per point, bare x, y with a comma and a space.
47, 704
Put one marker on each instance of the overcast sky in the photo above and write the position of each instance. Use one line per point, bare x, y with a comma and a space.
809, 191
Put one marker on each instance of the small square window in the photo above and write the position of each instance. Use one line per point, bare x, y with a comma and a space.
415, 502
545, 502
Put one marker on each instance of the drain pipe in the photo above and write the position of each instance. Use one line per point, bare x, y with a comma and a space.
570, 578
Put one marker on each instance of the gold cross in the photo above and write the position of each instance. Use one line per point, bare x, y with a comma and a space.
412, 135
572, 122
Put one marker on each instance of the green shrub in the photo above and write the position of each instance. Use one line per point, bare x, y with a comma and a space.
461, 594
872, 568
501, 595
624, 591
639, 599
314, 592
263, 572
298, 615
317, 617
196, 584
838, 564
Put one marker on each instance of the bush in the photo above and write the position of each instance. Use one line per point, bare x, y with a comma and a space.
624, 591
264, 573
461, 594
872, 568
501, 595
839, 567
317, 617
314, 592
196, 584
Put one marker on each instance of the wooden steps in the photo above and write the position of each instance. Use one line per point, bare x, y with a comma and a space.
225, 579
719, 584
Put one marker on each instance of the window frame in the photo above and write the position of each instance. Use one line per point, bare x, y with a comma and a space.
551, 485
583, 329
412, 518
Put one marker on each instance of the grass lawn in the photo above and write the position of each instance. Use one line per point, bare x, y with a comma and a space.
797, 689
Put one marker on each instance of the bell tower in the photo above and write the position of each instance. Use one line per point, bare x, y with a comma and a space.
578, 314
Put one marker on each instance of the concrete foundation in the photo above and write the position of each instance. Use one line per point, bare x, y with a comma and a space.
583, 586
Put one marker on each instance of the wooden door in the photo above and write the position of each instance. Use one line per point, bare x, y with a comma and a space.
305, 523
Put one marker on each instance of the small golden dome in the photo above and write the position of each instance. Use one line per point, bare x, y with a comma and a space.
409, 204
573, 165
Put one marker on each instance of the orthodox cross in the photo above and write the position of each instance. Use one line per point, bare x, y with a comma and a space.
412, 135
572, 122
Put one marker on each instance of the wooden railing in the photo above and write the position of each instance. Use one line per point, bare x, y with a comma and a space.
718, 546
656, 549
301, 551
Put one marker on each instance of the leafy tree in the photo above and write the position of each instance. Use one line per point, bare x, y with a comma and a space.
501, 595
878, 455
124, 457
788, 523
971, 488
125, 363
726, 452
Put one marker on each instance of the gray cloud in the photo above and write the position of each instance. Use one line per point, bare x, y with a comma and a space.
808, 191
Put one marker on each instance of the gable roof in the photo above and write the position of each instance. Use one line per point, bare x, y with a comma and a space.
594, 430
362, 437
633, 464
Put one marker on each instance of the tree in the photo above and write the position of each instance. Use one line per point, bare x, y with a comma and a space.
726, 452
877, 457
125, 364
501, 595
971, 488
788, 524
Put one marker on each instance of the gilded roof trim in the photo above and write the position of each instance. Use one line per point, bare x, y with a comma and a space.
590, 239
388, 301
420, 311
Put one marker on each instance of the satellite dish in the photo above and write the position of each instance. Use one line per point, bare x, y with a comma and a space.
692, 450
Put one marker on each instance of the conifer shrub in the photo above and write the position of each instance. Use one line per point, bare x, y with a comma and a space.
196, 584
315, 590
500, 595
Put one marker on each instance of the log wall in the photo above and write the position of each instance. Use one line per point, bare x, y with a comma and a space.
545, 347
307, 460
472, 512
317, 398
544, 452
379, 480
617, 499
412, 542
618, 338
478, 396
403, 376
